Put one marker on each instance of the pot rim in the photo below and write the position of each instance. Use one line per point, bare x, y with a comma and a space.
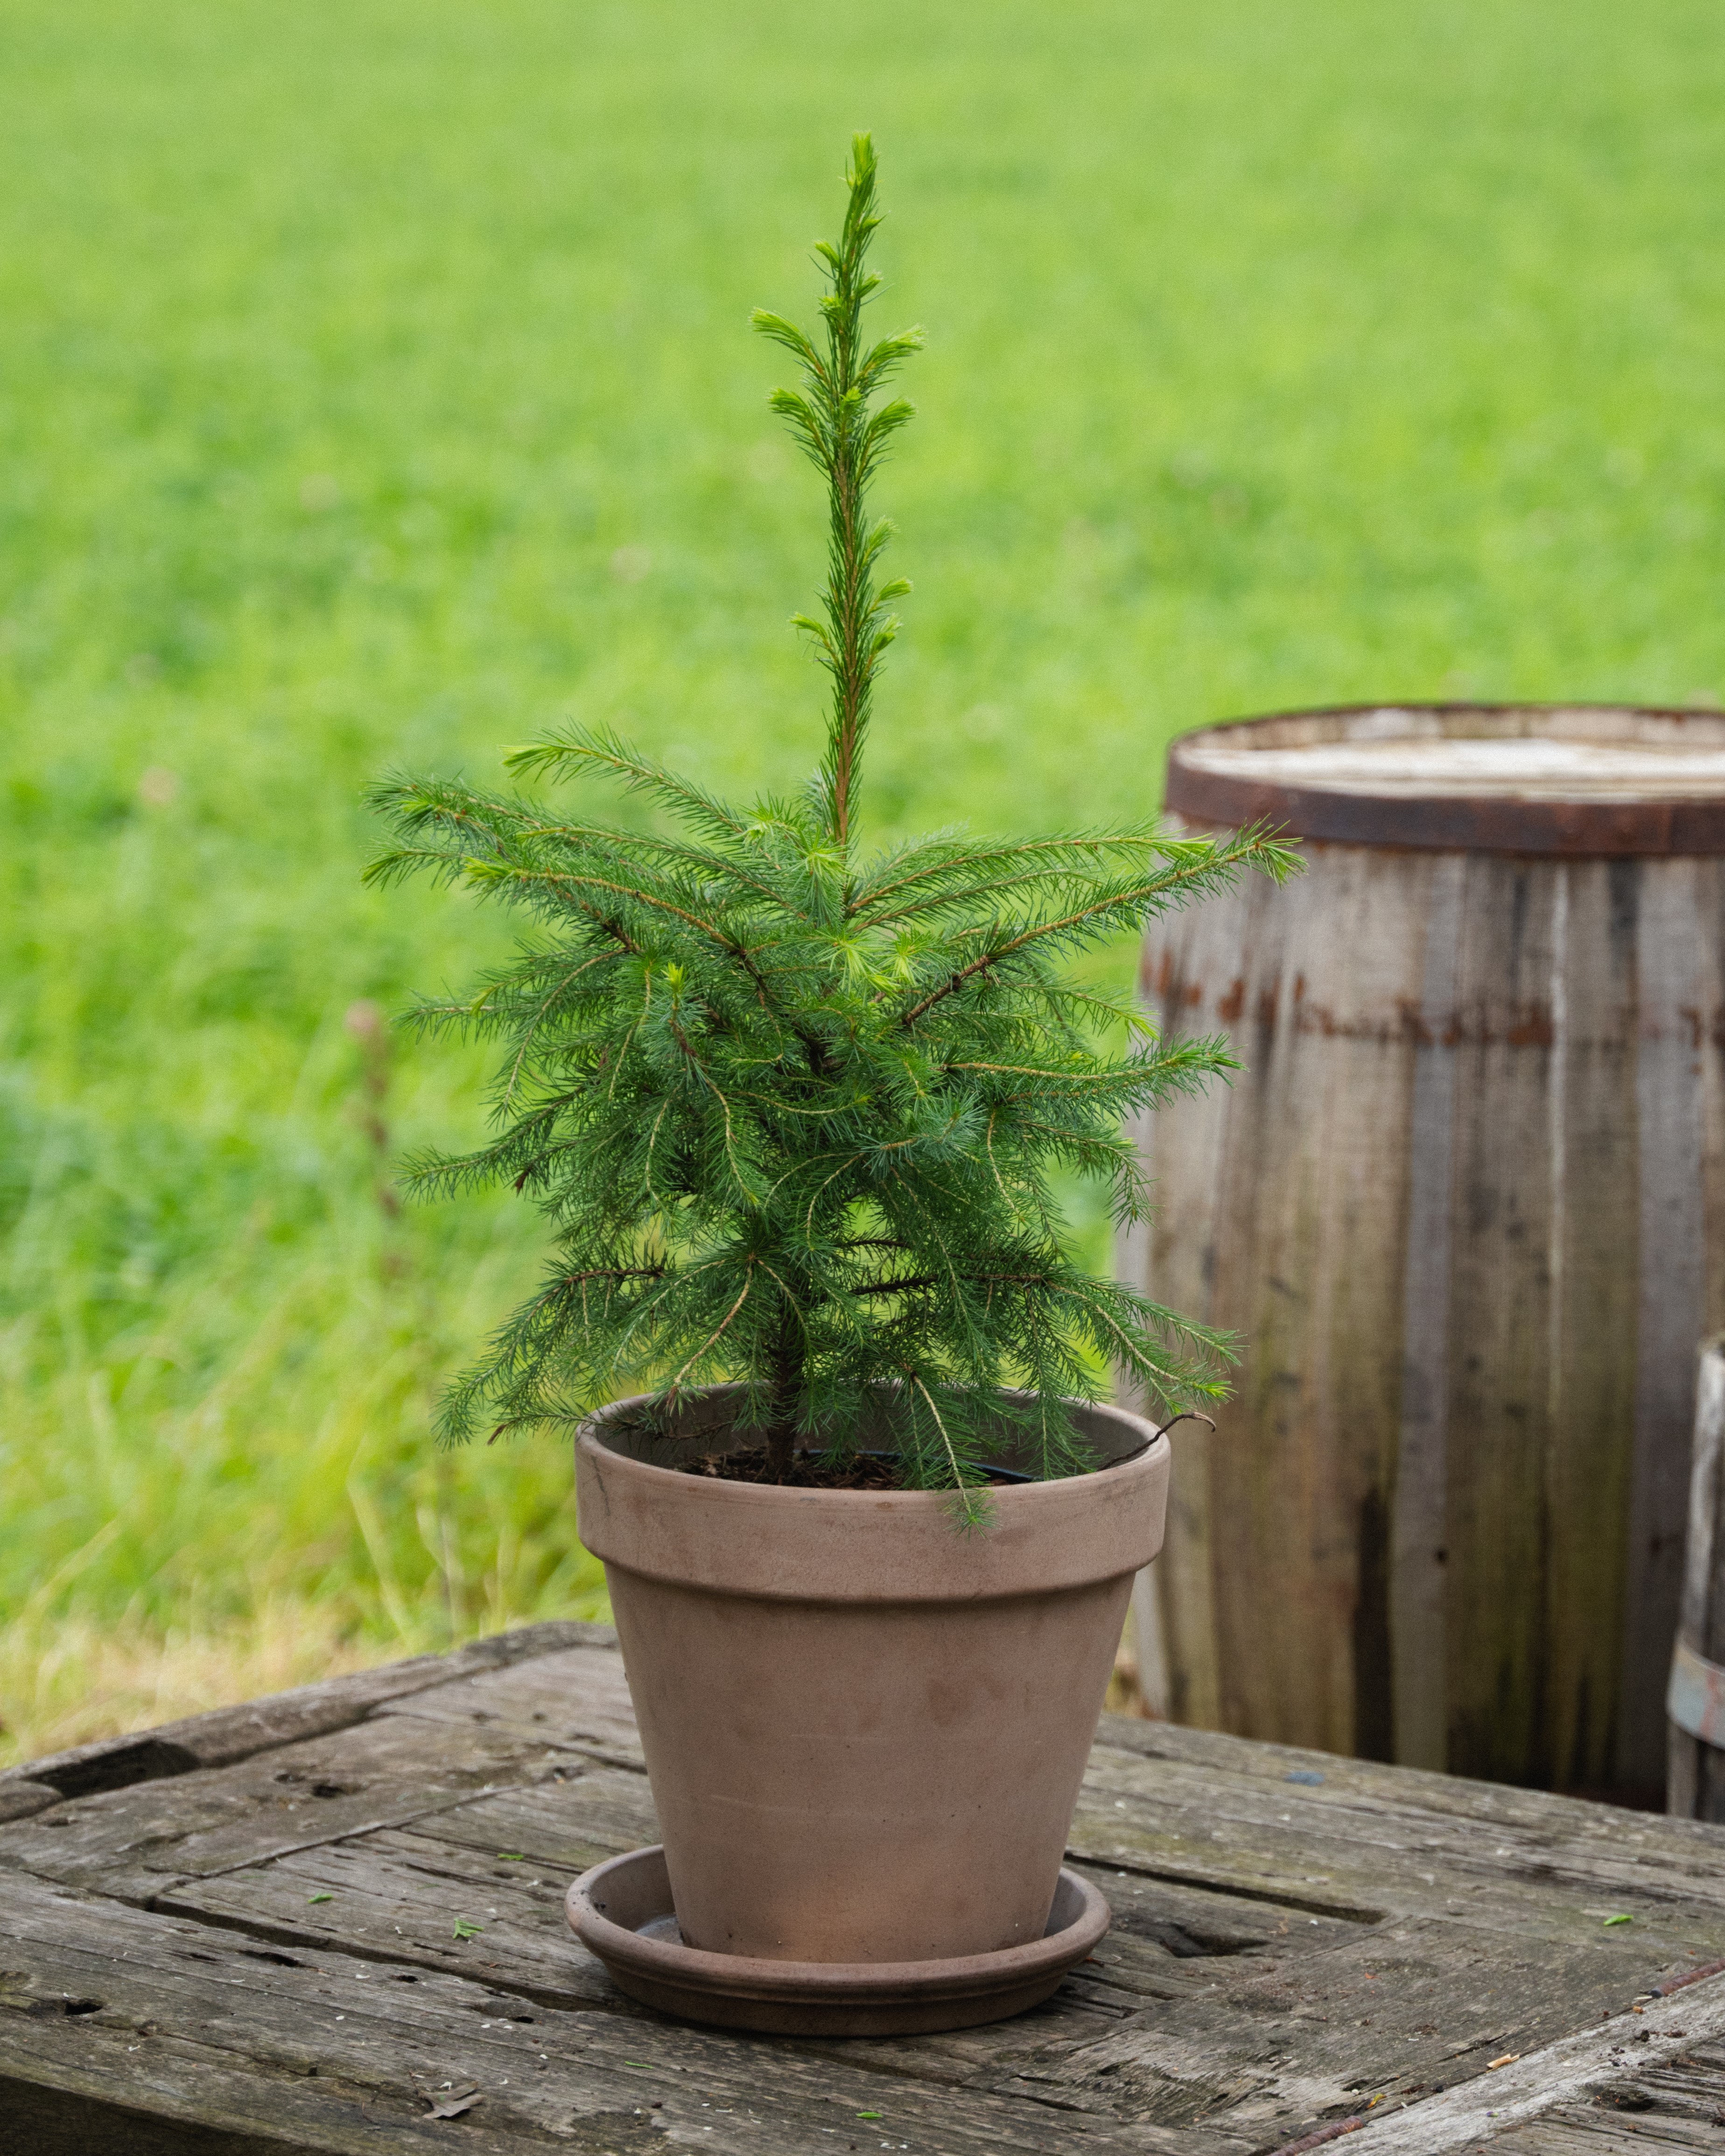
777, 1543
1006, 1496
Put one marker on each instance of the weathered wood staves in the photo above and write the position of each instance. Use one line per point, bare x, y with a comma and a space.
1465, 1205
348, 1937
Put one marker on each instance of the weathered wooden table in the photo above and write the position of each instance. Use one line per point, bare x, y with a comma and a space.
334, 1921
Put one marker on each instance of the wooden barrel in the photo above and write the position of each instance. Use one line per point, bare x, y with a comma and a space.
1463, 1204
1695, 1700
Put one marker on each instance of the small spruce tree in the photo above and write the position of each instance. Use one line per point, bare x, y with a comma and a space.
795, 1111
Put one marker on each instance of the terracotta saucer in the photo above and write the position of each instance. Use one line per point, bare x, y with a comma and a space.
622, 1912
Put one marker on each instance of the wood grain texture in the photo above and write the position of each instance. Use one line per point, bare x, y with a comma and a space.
1676, 2105
379, 1775
1418, 1553
230, 1962
1464, 1205
323, 2050
1603, 2083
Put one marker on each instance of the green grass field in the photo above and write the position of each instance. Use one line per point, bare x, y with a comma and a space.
377, 390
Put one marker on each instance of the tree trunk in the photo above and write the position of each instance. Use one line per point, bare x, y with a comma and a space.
787, 1395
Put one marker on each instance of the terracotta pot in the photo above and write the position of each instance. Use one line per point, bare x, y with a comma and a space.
865, 1727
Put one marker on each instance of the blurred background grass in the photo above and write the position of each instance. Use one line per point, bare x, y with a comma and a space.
376, 390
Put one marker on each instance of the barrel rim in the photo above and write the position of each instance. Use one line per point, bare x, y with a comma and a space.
1447, 822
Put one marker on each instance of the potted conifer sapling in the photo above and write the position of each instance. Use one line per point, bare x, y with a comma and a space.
796, 1111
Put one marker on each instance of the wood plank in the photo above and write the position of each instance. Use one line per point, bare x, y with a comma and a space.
1376, 2021
1351, 1850
577, 1698
1597, 1162
1172, 1256
232, 1733
1550, 2087
399, 1896
1420, 1529
339, 2054
1501, 1330
574, 1817
377, 1773
1302, 1464
1679, 2105
1453, 1795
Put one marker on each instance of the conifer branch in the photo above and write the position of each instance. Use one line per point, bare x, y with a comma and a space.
1203, 872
